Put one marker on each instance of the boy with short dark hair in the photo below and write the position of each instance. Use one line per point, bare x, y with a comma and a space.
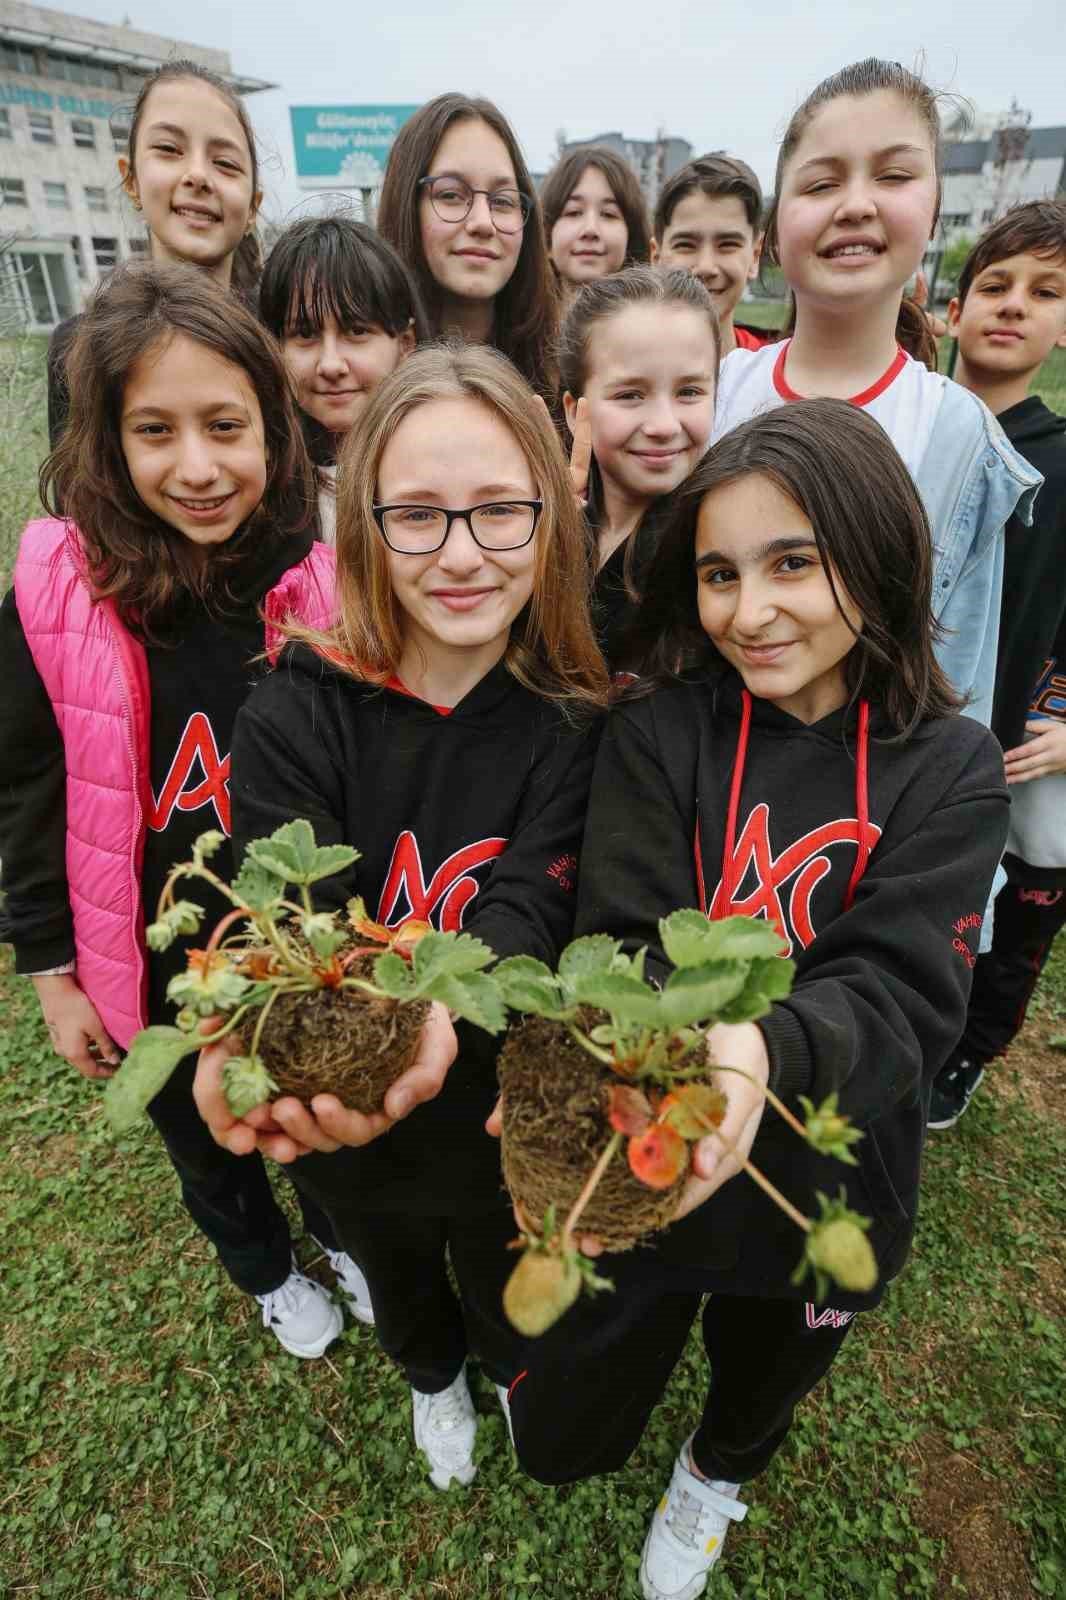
1008, 316
709, 219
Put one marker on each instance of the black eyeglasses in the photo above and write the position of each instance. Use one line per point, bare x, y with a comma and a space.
494, 525
453, 200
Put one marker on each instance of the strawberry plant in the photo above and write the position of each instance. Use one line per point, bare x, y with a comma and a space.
605, 1061
328, 1002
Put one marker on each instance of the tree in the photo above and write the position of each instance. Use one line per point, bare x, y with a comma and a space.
953, 260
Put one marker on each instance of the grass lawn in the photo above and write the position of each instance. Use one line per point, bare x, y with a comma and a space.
155, 1443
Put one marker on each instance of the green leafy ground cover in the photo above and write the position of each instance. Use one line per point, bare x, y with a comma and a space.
156, 1444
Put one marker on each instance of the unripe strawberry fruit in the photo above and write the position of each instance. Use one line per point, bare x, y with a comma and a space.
539, 1290
842, 1249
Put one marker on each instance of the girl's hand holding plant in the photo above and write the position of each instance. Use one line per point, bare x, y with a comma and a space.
286, 1129
316, 1030
720, 1156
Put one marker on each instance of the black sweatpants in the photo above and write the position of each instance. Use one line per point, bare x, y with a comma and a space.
578, 1414
419, 1320
1030, 911
229, 1197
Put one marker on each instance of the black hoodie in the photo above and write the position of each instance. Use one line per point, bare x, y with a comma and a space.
467, 819
1032, 630
881, 988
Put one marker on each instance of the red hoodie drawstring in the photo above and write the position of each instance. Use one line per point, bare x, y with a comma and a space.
862, 812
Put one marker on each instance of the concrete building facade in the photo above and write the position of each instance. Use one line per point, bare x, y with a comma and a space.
983, 178
653, 160
67, 87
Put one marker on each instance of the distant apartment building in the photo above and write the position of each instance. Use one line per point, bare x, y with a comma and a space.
984, 177
653, 160
67, 87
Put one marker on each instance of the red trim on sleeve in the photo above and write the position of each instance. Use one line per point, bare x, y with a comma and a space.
887, 377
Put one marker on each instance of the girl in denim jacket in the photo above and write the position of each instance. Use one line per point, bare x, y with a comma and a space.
857, 197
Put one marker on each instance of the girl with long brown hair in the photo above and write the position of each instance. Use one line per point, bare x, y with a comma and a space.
190, 168
127, 645
857, 195
445, 726
459, 205
808, 768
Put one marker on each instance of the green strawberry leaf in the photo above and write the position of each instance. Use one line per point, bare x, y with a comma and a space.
256, 886
690, 939
768, 980
438, 955
290, 850
474, 996
152, 1057
625, 999
394, 977
526, 984
595, 953
329, 859
700, 994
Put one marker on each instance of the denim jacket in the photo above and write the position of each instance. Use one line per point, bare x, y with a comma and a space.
971, 481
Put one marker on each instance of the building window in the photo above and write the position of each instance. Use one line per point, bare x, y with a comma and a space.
75, 71
84, 133
988, 216
96, 199
956, 219
5, 123
56, 197
17, 58
42, 129
105, 252
79, 259
138, 247
12, 192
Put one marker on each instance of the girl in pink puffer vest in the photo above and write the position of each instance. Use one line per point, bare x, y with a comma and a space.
133, 633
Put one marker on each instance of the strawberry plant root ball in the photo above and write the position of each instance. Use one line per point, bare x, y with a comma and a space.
332, 1041
556, 1099
605, 1061
322, 1002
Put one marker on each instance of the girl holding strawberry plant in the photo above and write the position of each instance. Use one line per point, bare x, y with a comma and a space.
638, 360
127, 645
806, 767
445, 728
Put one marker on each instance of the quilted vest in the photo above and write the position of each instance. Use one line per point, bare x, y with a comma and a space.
95, 673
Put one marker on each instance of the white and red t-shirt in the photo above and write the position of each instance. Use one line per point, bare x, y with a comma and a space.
905, 399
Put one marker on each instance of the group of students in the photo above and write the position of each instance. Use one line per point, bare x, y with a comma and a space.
314, 549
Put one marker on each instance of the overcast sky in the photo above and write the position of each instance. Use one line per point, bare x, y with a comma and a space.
723, 76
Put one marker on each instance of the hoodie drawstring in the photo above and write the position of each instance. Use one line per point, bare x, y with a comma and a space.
862, 813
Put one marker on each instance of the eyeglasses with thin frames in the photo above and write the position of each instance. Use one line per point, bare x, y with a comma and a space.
495, 525
453, 200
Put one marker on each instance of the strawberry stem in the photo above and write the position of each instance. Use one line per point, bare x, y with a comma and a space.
587, 1192
778, 1104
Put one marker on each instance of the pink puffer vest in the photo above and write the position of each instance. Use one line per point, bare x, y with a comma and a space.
96, 675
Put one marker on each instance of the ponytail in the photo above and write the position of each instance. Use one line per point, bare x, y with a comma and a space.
915, 335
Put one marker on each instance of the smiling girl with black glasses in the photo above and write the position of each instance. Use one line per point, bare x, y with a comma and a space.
459, 206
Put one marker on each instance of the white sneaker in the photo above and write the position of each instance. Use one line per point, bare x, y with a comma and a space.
301, 1316
353, 1286
687, 1533
445, 1429
503, 1395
